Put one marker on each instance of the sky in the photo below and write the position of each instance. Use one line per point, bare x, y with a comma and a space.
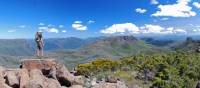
92, 18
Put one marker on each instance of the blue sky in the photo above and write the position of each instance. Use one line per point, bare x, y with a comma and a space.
90, 18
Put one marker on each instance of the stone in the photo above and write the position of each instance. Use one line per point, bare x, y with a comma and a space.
24, 77
64, 76
79, 80
111, 79
2, 81
64, 87
2, 73
12, 79
36, 79
52, 73
37, 73
3, 85
50, 68
38, 64
51, 83
76, 86
31, 84
121, 84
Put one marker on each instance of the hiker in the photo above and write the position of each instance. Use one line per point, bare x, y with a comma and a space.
40, 44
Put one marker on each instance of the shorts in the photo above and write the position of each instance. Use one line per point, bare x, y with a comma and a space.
39, 45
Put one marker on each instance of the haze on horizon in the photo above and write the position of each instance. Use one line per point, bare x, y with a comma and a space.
92, 18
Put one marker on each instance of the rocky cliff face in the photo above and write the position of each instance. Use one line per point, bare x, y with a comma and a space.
36, 73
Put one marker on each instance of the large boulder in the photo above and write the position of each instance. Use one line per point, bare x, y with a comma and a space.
3, 85
53, 69
38, 64
111, 79
36, 78
24, 77
37, 73
12, 78
52, 83
76, 86
63, 75
2, 72
79, 80
2, 80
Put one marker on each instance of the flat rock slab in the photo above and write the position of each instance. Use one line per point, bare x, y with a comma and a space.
38, 63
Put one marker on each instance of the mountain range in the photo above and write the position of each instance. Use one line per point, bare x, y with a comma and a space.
76, 50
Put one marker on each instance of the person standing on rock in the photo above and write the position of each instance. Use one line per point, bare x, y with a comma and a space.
40, 44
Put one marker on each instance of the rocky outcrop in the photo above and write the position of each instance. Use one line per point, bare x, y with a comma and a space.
2, 80
48, 73
11, 78
37, 73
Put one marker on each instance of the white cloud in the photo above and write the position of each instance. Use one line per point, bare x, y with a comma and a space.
41, 24
10, 31
180, 9
140, 10
64, 31
180, 31
53, 30
154, 2
22, 26
121, 28
131, 28
79, 26
194, 30
149, 28
91, 21
43, 28
157, 29
48, 29
61, 26
196, 4
78, 22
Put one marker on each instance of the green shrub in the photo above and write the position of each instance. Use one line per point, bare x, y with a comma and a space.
172, 70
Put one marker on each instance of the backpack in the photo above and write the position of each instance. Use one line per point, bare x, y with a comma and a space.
38, 37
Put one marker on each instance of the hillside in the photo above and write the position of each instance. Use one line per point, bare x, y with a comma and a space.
119, 46
158, 42
13, 50
53, 44
15, 47
189, 45
76, 50
113, 47
27, 47
167, 70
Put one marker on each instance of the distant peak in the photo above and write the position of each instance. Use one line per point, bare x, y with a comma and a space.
121, 38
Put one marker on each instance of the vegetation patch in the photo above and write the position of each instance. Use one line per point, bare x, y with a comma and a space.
169, 70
